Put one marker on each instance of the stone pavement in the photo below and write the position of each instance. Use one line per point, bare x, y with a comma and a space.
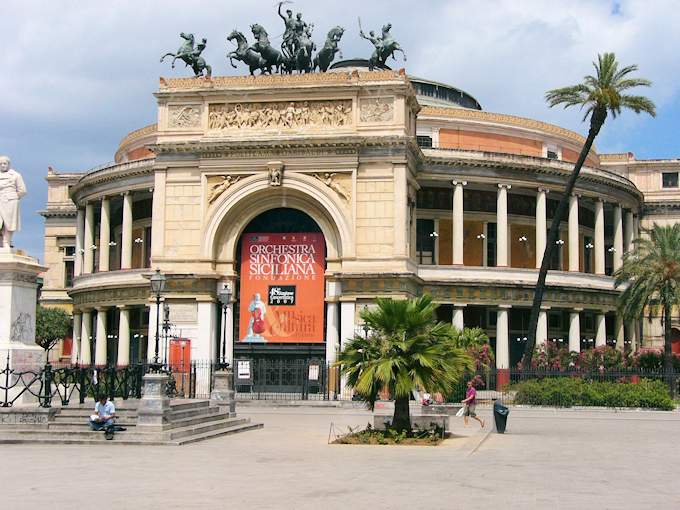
547, 459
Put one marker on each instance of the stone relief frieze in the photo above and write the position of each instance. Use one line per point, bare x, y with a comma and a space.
280, 115
376, 109
338, 183
184, 116
218, 184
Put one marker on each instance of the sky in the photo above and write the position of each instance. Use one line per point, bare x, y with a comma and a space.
76, 76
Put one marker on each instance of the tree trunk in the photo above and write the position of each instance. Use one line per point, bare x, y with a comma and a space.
596, 122
667, 351
402, 414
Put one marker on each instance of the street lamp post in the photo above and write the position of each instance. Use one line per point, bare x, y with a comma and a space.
365, 326
157, 287
224, 295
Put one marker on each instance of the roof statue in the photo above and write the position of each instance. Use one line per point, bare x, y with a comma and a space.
385, 46
191, 56
298, 51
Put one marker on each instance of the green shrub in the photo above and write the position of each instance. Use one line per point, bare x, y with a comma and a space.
571, 391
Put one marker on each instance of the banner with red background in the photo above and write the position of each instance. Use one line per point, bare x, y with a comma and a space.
282, 288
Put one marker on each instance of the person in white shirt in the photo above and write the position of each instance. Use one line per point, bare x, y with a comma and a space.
105, 412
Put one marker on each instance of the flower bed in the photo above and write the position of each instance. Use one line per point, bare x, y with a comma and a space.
576, 391
371, 436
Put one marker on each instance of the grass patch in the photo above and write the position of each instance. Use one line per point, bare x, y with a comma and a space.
371, 436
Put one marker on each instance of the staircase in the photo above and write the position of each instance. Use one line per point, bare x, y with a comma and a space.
189, 421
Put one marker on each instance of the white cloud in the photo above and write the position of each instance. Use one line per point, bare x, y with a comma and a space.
77, 76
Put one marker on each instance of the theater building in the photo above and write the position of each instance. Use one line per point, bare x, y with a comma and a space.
311, 195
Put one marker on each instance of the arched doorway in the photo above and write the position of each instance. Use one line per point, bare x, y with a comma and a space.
280, 309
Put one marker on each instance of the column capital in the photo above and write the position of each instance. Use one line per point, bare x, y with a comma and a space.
102, 308
543, 190
456, 183
124, 307
545, 308
105, 198
576, 310
459, 305
504, 307
504, 186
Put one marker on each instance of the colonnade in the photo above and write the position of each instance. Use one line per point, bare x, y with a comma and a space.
85, 236
82, 336
622, 239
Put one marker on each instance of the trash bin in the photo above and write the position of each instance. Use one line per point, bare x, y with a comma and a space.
500, 416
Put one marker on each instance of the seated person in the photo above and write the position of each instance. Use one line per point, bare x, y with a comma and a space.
426, 399
105, 412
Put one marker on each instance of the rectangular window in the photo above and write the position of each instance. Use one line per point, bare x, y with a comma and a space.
68, 273
424, 141
425, 241
491, 244
551, 154
669, 179
69, 251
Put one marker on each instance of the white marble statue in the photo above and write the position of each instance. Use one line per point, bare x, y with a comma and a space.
12, 188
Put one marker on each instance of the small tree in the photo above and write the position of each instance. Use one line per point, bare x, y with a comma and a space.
51, 325
651, 276
407, 348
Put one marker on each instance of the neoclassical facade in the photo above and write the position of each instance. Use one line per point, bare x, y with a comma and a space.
414, 188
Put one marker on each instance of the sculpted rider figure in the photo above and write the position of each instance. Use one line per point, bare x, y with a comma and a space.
289, 34
12, 189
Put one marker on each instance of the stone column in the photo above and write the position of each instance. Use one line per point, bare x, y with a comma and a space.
151, 334
458, 224
100, 339
620, 334
599, 237
601, 332
628, 232
88, 240
126, 238
332, 333
86, 338
80, 232
502, 225
223, 390
632, 335
458, 316
75, 345
104, 235
502, 347
618, 237
123, 337
542, 326
575, 330
541, 225
347, 327
574, 245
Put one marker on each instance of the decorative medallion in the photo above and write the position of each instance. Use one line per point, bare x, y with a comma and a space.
184, 116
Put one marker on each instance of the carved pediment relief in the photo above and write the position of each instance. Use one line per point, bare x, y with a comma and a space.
340, 183
184, 116
376, 109
298, 115
218, 184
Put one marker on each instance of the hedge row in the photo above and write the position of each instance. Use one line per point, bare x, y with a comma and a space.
571, 391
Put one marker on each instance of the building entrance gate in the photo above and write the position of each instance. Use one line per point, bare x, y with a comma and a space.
282, 378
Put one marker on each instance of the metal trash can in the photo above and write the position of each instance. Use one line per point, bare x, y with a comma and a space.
500, 416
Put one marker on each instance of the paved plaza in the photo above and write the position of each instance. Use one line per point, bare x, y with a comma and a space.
547, 459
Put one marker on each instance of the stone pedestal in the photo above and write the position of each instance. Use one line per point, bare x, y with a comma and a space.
18, 296
223, 391
154, 407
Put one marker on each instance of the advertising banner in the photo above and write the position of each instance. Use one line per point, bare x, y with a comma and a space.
282, 288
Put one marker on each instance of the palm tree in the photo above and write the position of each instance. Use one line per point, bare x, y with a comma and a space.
651, 273
598, 96
407, 348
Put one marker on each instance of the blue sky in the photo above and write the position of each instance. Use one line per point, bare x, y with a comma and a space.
76, 76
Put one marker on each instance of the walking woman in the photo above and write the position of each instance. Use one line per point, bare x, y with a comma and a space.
470, 403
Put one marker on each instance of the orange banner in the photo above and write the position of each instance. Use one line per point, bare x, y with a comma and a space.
282, 288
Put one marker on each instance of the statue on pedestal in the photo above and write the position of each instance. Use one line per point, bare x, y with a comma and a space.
12, 189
